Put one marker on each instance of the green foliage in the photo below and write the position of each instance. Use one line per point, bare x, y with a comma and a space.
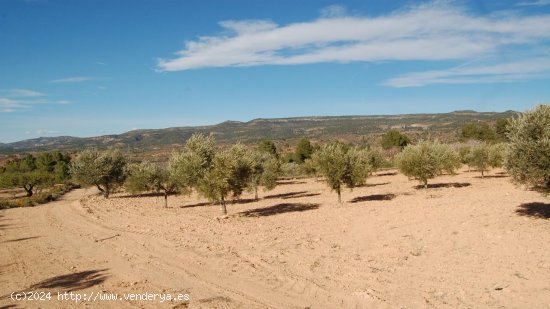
104, 170
188, 167
28, 180
480, 131
376, 160
480, 158
341, 165
290, 169
303, 151
265, 171
52, 194
501, 128
269, 147
394, 138
465, 154
427, 160
29, 172
486, 156
230, 173
528, 158
150, 177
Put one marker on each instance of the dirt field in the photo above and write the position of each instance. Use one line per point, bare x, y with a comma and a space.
466, 243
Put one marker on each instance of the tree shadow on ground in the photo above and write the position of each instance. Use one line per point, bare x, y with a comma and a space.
291, 195
148, 194
285, 195
242, 201
374, 197
444, 185
386, 174
367, 185
21, 239
73, 282
278, 209
535, 210
492, 176
197, 205
67, 283
289, 182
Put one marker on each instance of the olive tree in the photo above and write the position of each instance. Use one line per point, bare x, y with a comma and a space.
465, 155
427, 160
528, 156
189, 167
105, 170
229, 174
484, 157
342, 166
480, 158
265, 171
150, 177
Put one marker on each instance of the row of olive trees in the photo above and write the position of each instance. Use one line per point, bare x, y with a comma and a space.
216, 175
427, 160
526, 157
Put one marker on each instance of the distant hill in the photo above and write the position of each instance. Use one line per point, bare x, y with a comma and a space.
351, 128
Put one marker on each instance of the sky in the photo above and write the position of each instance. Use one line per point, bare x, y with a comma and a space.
88, 68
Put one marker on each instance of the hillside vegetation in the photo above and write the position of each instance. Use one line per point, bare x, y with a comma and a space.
347, 128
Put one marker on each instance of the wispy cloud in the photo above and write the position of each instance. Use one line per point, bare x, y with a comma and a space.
501, 72
534, 3
11, 105
13, 100
20, 93
73, 79
428, 32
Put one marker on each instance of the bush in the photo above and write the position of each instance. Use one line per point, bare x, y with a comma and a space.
427, 160
394, 138
528, 158
478, 131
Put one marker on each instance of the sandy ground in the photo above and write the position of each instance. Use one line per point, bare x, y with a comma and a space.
470, 243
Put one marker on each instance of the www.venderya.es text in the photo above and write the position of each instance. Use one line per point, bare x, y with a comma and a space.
98, 296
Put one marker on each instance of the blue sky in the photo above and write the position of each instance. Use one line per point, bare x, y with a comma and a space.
86, 68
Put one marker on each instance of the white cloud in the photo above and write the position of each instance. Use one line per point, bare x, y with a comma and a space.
18, 93
502, 72
74, 79
11, 105
333, 11
429, 32
534, 3
13, 100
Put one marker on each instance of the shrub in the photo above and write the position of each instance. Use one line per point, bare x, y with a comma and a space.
394, 138
427, 160
303, 151
478, 131
528, 158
